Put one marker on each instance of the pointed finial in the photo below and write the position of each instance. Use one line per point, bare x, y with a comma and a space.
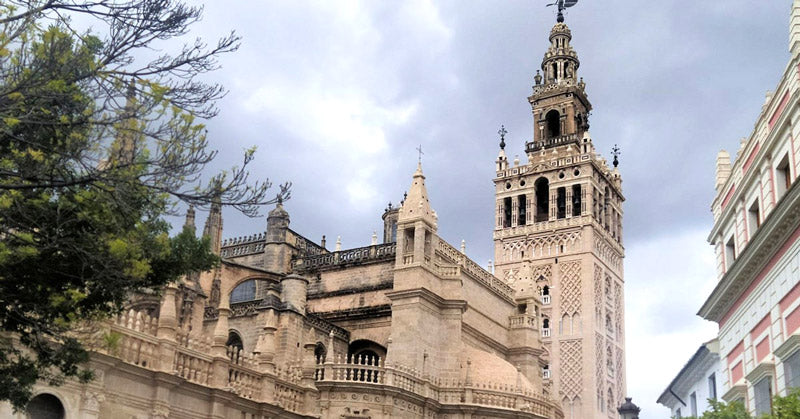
338, 243
374, 238
615, 152
463, 247
502, 134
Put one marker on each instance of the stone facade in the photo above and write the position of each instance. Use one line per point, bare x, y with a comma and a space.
409, 328
756, 237
286, 328
558, 235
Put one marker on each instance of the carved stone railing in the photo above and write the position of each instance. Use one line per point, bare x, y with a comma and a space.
376, 253
243, 246
327, 327
451, 255
210, 313
134, 338
306, 246
372, 372
523, 320
535, 146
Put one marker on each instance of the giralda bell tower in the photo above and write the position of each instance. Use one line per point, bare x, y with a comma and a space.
558, 235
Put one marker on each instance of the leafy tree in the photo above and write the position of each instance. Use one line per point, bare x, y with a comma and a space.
96, 147
787, 407
722, 410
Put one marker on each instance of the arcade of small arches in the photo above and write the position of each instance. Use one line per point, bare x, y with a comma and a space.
566, 202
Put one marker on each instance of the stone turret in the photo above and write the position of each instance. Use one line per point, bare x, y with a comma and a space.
390, 223
416, 224
277, 252
213, 227
723, 168
559, 102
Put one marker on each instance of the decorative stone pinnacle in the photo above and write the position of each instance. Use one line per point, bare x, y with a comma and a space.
502, 134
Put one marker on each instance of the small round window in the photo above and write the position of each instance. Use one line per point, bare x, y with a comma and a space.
561, 175
577, 172
522, 182
508, 185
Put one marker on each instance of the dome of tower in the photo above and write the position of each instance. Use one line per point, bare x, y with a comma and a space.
560, 28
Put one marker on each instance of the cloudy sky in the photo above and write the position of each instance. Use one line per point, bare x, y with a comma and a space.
337, 96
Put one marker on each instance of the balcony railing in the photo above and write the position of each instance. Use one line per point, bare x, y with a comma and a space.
546, 333
373, 372
545, 299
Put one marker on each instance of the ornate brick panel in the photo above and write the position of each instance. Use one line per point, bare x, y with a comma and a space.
542, 273
545, 245
571, 377
620, 389
599, 365
598, 293
570, 288
618, 311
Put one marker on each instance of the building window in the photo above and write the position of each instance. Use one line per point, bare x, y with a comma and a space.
546, 372
45, 406
246, 291
561, 202
791, 368
577, 200
730, 253
507, 212
783, 177
542, 186
693, 403
753, 218
522, 203
553, 124
678, 413
763, 396
712, 386
234, 348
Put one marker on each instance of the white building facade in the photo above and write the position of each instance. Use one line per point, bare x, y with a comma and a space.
756, 236
695, 384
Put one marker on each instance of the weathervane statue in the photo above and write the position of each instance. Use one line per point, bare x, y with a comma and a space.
562, 4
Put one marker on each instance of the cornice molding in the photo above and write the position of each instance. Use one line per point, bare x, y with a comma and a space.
775, 231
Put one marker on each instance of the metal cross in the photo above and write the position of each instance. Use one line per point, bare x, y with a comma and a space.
419, 149
615, 152
502, 132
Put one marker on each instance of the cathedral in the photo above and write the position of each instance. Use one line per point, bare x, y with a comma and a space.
407, 328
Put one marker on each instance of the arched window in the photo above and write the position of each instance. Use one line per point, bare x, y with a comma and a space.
234, 347
320, 353
545, 290
366, 351
577, 200
545, 323
609, 324
45, 406
561, 202
246, 291
553, 119
542, 186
